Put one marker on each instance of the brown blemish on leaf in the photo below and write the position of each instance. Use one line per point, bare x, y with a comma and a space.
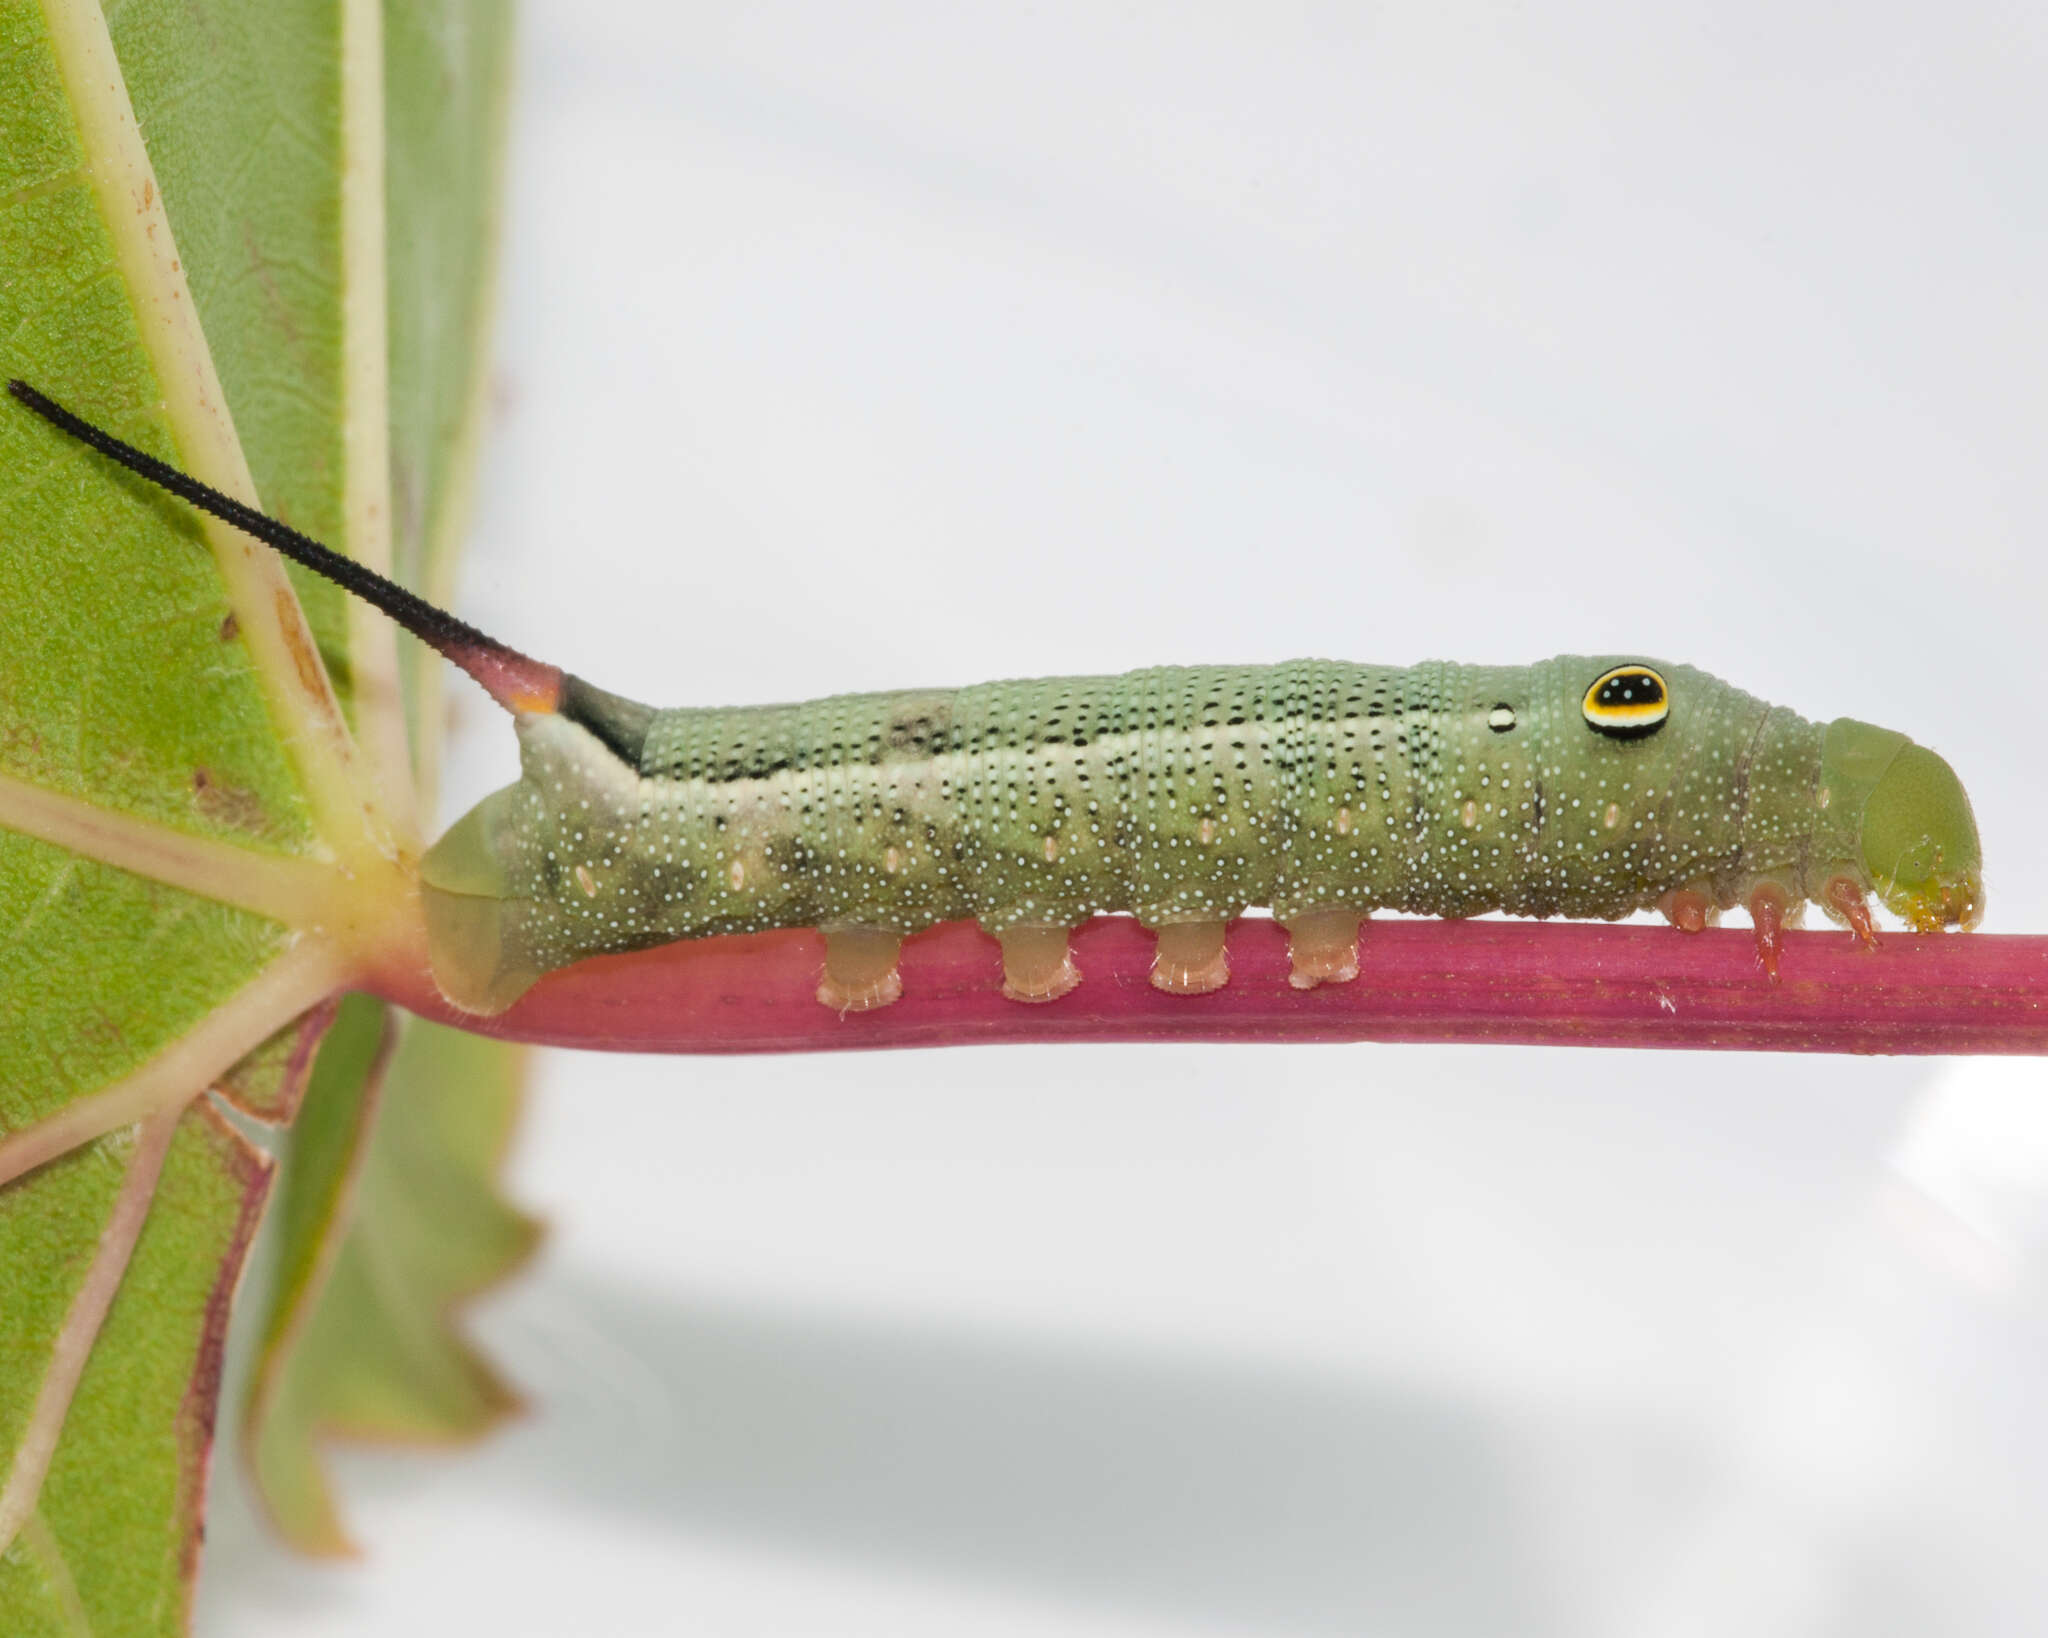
148, 192
100, 1027
228, 805
230, 627
312, 676
275, 307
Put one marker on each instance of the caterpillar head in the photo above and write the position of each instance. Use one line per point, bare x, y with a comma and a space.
1916, 836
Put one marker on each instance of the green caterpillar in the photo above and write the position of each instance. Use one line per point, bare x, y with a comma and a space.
1580, 786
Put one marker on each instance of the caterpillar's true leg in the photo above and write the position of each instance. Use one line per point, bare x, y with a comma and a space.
1767, 915
1037, 965
860, 968
1687, 909
1845, 894
1323, 945
1190, 958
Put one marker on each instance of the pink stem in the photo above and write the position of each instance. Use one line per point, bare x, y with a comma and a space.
1560, 984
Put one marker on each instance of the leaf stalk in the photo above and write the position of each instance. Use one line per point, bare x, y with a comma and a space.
1508, 982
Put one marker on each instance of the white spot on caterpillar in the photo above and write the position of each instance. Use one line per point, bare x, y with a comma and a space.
1611, 817
1052, 850
1468, 815
1343, 821
891, 859
586, 881
736, 873
1207, 832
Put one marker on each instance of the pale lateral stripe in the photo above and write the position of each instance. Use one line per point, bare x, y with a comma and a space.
366, 409
266, 608
294, 891
82, 1324
309, 972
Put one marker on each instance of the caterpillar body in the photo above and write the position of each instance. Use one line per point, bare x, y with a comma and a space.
1579, 786
1181, 795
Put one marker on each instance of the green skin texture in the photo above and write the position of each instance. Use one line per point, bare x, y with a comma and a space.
1179, 794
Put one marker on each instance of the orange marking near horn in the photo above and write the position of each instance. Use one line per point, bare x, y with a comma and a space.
513, 680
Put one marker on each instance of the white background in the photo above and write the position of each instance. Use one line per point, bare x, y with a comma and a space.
852, 347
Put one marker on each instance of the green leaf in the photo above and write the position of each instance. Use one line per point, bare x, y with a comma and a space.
208, 802
315, 1200
359, 1342
120, 680
115, 1530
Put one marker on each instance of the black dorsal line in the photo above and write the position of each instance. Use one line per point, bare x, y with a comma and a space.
514, 680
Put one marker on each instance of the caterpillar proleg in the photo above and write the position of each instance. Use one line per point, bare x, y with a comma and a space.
1586, 786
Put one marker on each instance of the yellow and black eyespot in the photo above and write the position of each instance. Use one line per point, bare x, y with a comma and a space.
1627, 702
